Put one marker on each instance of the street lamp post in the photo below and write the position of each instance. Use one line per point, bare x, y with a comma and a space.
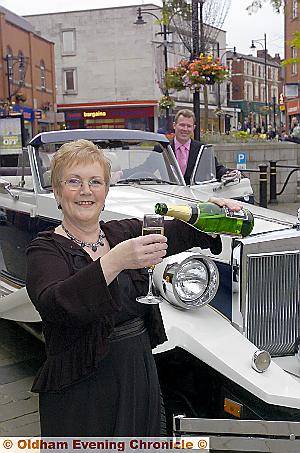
197, 48
11, 61
219, 83
164, 32
263, 43
195, 54
274, 113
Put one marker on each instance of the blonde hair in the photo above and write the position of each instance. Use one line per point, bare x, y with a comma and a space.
74, 153
186, 113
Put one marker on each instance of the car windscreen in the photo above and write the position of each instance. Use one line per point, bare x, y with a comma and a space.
205, 167
145, 162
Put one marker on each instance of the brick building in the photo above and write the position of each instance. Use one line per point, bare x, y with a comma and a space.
27, 74
292, 71
256, 95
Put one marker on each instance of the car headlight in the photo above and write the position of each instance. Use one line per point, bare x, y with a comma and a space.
187, 280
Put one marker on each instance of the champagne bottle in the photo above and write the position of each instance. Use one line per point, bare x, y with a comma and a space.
210, 218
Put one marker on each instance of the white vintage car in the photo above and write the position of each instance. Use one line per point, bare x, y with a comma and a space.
237, 303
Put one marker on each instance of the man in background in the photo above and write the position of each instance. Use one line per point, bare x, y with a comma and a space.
186, 149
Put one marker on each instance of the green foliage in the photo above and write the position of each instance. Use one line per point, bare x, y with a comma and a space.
257, 4
166, 102
204, 70
232, 137
296, 43
173, 8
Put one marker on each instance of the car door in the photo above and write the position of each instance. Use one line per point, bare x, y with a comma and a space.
204, 176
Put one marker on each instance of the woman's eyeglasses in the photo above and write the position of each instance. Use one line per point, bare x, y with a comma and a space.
76, 183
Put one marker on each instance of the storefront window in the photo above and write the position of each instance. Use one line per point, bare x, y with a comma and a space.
141, 124
140, 118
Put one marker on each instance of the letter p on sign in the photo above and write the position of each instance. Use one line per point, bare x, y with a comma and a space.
241, 161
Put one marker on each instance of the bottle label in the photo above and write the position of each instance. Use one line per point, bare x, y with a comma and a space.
242, 214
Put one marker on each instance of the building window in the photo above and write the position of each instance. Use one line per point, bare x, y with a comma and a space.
68, 42
274, 93
294, 55
21, 66
262, 93
9, 62
43, 75
70, 83
294, 9
259, 71
256, 89
229, 92
248, 91
249, 68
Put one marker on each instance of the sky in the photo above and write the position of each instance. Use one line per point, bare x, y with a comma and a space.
240, 26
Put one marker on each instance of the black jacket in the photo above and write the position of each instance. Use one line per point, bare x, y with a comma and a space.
76, 305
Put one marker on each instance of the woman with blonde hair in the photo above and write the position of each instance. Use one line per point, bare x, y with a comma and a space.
99, 377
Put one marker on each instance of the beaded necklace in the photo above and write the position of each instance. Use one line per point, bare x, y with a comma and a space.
92, 245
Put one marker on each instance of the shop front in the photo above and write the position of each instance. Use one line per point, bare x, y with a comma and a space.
28, 118
253, 113
120, 116
292, 112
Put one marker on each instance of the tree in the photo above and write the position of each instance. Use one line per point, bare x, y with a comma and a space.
296, 43
211, 18
256, 4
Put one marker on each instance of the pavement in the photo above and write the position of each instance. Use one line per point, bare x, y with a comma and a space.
21, 355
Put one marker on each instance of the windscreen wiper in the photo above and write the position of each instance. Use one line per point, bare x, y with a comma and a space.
139, 180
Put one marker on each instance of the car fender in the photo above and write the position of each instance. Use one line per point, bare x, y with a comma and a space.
210, 337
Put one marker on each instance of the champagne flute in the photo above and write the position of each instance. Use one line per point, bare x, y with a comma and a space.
152, 224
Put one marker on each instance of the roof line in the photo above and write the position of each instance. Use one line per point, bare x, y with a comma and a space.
91, 9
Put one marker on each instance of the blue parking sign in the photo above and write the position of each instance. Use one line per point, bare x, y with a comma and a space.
241, 160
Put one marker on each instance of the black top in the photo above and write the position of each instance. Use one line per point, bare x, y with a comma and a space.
76, 305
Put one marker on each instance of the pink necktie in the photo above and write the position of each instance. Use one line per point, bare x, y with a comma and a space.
182, 156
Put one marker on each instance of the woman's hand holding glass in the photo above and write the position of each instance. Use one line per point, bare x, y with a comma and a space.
135, 253
153, 225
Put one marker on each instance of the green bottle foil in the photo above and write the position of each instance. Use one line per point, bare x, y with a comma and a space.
210, 218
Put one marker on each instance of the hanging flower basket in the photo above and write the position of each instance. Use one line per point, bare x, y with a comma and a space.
174, 77
219, 112
166, 102
20, 97
201, 71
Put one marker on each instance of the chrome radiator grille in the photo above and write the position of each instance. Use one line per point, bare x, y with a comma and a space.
273, 314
